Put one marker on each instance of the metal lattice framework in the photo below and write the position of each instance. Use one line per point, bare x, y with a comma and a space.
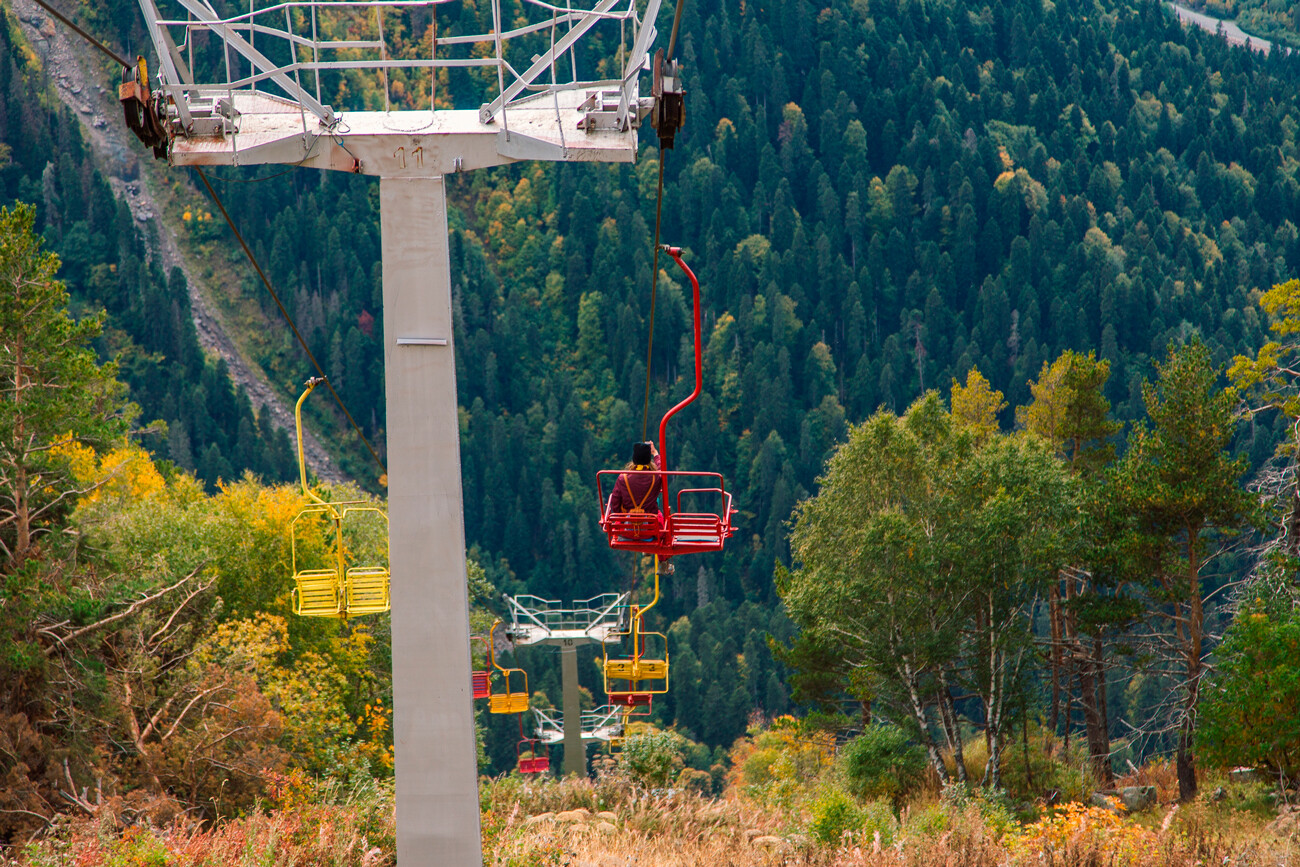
535, 620
602, 724
547, 70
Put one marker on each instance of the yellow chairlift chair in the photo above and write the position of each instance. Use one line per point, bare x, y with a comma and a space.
340, 590
633, 681
506, 701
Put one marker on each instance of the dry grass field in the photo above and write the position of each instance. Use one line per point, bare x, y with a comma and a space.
783, 802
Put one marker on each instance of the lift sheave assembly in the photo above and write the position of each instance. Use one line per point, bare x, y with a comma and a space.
346, 588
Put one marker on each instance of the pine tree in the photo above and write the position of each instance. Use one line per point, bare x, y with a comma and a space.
53, 393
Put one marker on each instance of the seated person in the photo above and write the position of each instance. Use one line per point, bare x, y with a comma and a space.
638, 492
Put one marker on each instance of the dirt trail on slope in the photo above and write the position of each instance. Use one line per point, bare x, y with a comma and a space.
73, 67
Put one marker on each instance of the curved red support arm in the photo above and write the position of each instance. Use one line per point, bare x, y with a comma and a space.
676, 253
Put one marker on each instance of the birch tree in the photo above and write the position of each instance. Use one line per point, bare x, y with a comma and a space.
922, 555
1010, 514
870, 581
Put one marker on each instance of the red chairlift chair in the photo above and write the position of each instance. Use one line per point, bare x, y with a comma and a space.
534, 762
481, 679
673, 531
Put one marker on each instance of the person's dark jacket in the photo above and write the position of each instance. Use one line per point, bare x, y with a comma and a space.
635, 490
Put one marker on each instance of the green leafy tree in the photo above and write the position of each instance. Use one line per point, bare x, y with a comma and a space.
883, 763
52, 390
1011, 514
653, 757
922, 555
872, 585
1252, 707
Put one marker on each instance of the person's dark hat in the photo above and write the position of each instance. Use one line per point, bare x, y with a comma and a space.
641, 454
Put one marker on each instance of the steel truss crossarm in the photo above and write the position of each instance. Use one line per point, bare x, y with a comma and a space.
206, 15
489, 111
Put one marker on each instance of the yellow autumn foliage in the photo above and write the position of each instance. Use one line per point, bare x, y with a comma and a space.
123, 474
1087, 828
777, 765
976, 405
310, 690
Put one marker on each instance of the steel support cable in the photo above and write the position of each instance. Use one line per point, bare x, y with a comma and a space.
677, 23
659, 207
654, 286
287, 318
117, 58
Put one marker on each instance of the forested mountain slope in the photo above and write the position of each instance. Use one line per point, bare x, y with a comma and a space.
212, 428
877, 196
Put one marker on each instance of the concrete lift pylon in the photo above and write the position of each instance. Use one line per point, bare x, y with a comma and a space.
269, 108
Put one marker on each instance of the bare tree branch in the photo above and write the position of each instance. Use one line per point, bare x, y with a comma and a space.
126, 612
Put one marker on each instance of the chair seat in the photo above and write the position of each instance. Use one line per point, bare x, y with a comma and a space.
536, 765
685, 533
368, 590
630, 699
316, 593
480, 683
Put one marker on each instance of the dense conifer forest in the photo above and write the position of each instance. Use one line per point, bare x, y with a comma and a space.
875, 202
211, 429
893, 207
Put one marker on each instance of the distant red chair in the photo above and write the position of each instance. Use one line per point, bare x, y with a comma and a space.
531, 755
481, 679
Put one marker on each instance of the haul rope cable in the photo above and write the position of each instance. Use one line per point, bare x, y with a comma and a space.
659, 207
117, 58
242, 243
287, 318
654, 285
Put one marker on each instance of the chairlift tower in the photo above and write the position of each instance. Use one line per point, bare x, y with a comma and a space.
602, 725
601, 620
250, 85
